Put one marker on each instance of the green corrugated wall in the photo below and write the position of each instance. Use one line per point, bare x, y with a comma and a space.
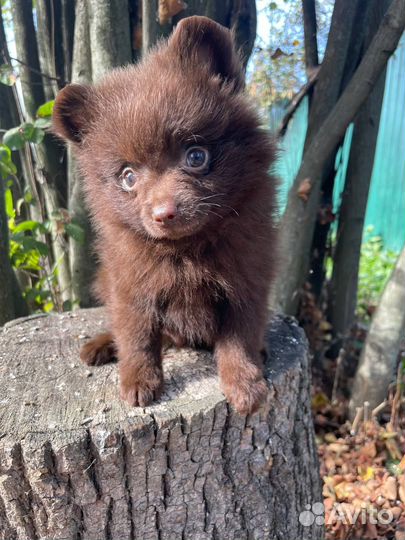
386, 204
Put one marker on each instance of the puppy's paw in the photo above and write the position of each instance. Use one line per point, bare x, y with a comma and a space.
99, 350
140, 387
246, 396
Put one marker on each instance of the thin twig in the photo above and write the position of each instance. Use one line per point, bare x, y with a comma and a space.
339, 363
379, 408
356, 421
366, 408
296, 100
396, 402
57, 79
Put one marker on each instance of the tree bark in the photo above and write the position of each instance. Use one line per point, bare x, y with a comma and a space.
27, 54
151, 30
68, 24
244, 23
343, 289
354, 52
323, 98
109, 35
310, 34
380, 353
328, 86
299, 219
12, 303
82, 263
7, 311
46, 48
47, 167
75, 462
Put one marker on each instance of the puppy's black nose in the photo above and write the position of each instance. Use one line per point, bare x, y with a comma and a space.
164, 212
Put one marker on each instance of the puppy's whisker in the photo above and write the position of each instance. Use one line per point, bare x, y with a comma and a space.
211, 204
219, 215
210, 196
231, 208
221, 206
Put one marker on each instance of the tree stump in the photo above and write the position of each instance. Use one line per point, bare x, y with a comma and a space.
76, 463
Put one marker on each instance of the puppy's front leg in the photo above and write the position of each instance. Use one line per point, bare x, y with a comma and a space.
240, 365
139, 344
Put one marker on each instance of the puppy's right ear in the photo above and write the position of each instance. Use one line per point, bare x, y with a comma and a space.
72, 112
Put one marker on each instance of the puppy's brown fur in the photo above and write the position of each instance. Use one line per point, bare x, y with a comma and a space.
200, 275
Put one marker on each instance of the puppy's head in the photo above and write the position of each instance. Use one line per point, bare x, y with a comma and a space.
170, 146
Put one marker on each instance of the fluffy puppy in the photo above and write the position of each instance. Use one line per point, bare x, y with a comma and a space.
176, 179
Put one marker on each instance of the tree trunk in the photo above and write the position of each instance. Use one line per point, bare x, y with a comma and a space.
151, 30
328, 86
244, 23
354, 50
47, 166
380, 353
343, 290
75, 462
82, 260
68, 24
299, 219
310, 34
323, 98
27, 54
46, 48
109, 35
7, 311
12, 303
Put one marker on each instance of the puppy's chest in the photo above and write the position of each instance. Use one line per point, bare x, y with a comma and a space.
190, 303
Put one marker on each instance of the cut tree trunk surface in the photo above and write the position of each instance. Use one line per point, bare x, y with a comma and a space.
76, 463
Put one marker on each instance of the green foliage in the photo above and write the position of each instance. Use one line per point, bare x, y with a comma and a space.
376, 265
30, 240
29, 253
7, 75
44, 115
16, 138
46, 109
7, 167
75, 231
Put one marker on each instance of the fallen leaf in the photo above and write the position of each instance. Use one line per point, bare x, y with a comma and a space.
169, 8
338, 448
330, 437
320, 400
304, 189
344, 490
389, 488
369, 449
278, 53
366, 473
401, 489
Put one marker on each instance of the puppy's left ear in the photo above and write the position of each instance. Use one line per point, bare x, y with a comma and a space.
200, 40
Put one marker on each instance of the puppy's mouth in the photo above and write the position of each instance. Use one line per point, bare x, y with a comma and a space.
175, 228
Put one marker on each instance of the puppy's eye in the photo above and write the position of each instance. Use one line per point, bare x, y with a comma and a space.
128, 179
197, 158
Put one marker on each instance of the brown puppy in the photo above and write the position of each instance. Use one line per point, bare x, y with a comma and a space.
176, 178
